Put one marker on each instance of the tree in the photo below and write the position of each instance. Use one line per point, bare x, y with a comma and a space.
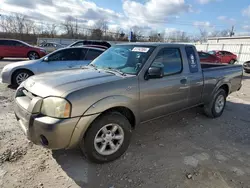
155, 36
178, 36
137, 33
222, 33
69, 26
100, 28
51, 29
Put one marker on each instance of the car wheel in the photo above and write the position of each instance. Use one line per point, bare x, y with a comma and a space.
216, 106
20, 76
107, 138
33, 55
1, 58
232, 62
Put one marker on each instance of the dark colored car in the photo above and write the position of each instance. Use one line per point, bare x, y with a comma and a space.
91, 42
225, 56
19, 49
246, 66
208, 58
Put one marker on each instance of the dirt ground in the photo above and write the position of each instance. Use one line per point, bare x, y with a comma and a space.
185, 150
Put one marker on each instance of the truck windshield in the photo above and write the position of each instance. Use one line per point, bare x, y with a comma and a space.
128, 59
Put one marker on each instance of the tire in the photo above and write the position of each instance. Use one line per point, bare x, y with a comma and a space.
232, 62
1, 58
19, 76
89, 146
211, 110
33, 55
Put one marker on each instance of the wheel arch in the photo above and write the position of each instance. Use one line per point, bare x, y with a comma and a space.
30, 51
20, 69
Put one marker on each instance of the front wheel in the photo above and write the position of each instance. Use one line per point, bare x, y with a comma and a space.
216, 106
33, 55
107, 138
20, 76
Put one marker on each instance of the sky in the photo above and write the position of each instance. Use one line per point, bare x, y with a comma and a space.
158, 15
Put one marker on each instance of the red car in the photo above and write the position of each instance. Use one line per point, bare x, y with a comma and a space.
225, 56
208, 58
19, 49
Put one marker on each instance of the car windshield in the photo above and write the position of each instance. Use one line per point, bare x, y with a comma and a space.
212, 52
128, 59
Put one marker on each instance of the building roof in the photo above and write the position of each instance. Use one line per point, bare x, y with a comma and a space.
234, 37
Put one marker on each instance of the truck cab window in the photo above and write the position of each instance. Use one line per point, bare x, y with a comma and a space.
170, 60
192, 59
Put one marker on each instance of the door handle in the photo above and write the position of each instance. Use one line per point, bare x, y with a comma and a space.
184, 81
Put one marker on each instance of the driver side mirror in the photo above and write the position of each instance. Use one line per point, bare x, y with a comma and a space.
46, 59
154, 72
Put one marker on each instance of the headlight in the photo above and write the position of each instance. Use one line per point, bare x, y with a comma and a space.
56, 107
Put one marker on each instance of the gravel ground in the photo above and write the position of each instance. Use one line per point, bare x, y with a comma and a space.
185, 150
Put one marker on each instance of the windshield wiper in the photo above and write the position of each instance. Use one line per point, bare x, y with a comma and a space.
93, 65
116, 70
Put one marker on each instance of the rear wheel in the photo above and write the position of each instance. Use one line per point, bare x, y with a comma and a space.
33, 55
20, 76
216, 106
232, 62
107, 138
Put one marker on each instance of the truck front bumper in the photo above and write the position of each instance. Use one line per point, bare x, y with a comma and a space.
47, 131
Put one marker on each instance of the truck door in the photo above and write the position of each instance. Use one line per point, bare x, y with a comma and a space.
161, 96
195, 77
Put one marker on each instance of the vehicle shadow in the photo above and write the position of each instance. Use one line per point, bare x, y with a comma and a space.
159, 146
14, 60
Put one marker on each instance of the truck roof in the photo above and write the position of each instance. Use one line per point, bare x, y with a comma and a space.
154, 44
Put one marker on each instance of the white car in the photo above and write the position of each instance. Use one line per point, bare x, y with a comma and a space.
62, 59
50, 46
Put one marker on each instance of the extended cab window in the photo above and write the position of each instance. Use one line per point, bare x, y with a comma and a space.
170, 60
192, 60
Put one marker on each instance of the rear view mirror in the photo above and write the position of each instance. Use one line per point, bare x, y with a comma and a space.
154, 72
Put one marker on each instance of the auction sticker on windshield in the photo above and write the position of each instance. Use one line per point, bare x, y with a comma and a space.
140, 49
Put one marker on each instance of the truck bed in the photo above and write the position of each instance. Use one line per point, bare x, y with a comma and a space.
212, 65
215, 74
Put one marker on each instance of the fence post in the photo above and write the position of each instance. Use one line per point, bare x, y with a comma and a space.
222, 46
207, 47
240, 52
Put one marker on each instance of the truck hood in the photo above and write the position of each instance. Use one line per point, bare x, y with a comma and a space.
61, 83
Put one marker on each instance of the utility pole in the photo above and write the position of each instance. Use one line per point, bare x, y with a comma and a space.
232, 31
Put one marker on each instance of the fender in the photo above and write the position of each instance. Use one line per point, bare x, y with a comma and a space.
111, 102
218, 85
94, 111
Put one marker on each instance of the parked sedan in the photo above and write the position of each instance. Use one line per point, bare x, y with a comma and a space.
50, 46
66, 58
225, 56
208, 58
19, 49
246, 66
